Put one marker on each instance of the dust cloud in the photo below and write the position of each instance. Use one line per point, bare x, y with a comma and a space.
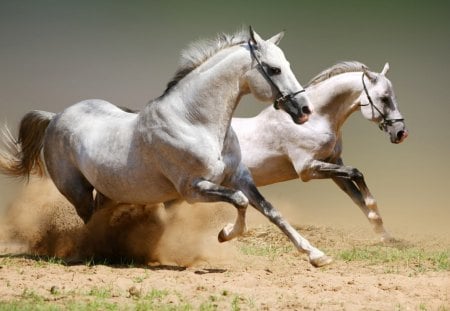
40, 221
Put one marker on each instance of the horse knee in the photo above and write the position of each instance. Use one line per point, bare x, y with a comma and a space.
239, 200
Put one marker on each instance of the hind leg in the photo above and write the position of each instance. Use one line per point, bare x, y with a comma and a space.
58, 152
244, 181
77, 190
101, 201
80, 195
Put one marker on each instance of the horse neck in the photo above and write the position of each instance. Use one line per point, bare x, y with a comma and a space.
210, 93
337, 97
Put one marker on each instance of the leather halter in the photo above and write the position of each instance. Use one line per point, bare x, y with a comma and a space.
280, 98
386, 122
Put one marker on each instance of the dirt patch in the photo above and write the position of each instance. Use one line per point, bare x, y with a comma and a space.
153, 258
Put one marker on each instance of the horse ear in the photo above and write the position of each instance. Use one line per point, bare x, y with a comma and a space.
277, 38
369, 74
254, 37
385, 69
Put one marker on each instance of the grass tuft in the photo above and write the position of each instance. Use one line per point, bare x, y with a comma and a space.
417, 259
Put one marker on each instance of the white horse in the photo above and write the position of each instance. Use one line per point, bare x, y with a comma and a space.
180, 146
276, 150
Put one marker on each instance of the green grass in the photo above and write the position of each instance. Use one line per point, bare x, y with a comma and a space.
19, 305
39, 261
420, 260
101, 298
265, 250
141, 278
31, 295
100, 292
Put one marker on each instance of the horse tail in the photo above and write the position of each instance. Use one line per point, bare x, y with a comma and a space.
22, 157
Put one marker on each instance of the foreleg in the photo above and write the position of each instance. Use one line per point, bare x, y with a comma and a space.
352, 182
207, 191
244, 182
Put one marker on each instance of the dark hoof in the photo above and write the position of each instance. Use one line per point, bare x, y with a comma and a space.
221, 237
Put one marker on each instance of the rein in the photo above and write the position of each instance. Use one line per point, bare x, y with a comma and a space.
281, 98
386, 122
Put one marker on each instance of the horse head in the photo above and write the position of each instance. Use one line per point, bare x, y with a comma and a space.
270, 78
379, 104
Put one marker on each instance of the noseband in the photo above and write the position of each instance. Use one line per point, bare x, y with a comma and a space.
280, 98
386, 122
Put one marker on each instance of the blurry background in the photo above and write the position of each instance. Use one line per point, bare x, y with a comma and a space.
56, 53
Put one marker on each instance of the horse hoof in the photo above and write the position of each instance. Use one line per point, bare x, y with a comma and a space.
225, 233
388, 239
321, 261
221, 237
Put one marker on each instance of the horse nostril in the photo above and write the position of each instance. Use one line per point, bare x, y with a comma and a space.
400, 134
306, 110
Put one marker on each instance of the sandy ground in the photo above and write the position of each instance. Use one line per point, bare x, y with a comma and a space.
126, 257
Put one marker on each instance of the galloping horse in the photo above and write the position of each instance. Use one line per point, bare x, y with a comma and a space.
180, 146
276, 150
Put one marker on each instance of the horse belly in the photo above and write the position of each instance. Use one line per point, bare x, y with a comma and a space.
128, 174
142, 187
272, 169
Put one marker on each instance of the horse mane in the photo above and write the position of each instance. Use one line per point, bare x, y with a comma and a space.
342, 67
198, 52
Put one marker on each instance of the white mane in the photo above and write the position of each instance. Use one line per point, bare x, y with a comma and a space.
198, 52
342, 67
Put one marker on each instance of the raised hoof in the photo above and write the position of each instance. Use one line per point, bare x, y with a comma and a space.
321, 261
224, 234
221, 237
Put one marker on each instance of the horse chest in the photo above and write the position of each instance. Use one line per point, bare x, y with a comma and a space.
193, 154
325, 145
315, 139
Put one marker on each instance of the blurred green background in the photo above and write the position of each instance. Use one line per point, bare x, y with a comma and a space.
55, 53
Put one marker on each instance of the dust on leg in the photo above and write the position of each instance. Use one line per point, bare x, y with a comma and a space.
210, 192
81, 196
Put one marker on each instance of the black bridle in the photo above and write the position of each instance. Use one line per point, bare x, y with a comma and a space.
386, 122
280, 98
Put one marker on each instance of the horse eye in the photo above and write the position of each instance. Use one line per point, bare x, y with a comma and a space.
273, 70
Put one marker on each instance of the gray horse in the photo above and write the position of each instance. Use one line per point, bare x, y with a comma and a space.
180, 146
275, 150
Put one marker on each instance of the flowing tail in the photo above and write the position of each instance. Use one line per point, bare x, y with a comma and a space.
21, 157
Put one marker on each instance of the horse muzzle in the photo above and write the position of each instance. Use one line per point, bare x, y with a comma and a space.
398, 133
299, 110
400, 136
